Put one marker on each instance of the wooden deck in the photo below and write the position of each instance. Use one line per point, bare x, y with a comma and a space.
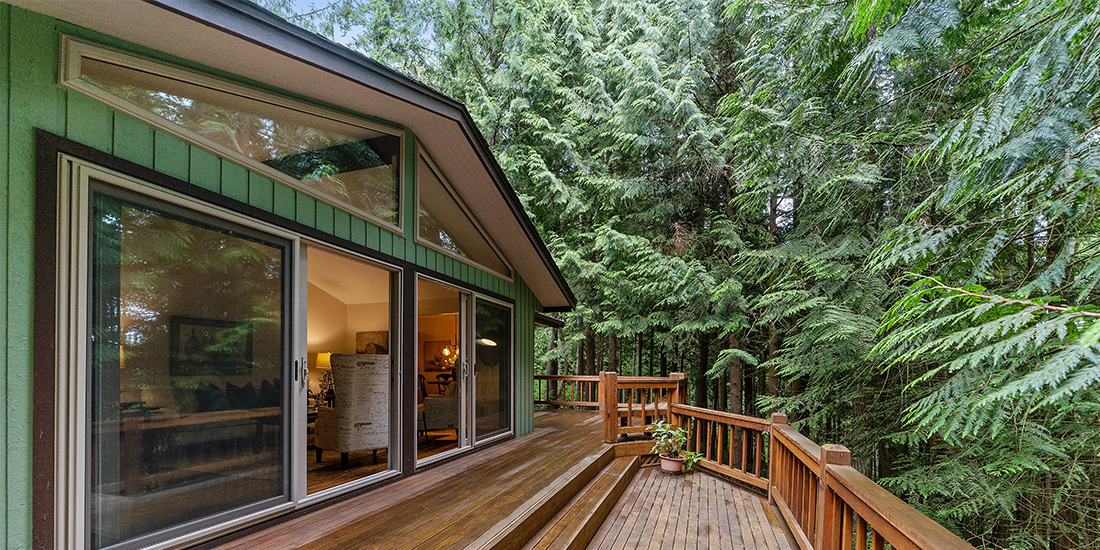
467, 502
690, 512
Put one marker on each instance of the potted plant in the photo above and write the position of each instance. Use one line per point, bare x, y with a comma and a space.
668, 443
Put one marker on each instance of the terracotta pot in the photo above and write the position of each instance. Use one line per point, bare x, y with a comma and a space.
672, 465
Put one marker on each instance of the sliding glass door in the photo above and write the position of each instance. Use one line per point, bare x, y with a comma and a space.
188, 338
492, 370
442, 386
347, 402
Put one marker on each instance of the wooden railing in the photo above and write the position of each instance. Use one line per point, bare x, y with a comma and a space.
827, 504
630, 405
731, 444
567, 391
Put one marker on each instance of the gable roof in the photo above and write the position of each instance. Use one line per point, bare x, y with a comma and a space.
243, 39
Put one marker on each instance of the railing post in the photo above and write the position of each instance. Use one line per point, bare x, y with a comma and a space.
609, 405
773, 475
829, 512
677, 396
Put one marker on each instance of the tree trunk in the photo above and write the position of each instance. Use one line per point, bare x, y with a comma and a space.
701, 374
638, 354
599, 354
612, 353
773, 349
720, 387
590, 343
735, 397
552, 367
580, 359
664, 363
773, 213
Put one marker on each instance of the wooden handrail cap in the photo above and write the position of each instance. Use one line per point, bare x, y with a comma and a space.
836, 454
779, 418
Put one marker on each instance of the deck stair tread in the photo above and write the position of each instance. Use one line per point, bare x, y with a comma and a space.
573, 527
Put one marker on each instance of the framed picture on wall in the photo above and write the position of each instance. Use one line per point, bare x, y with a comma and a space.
208, 346
434, 357
372, 342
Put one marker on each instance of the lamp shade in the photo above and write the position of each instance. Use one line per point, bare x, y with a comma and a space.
324, 360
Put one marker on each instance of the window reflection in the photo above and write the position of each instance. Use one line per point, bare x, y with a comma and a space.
493, 369
187, 332
350, 164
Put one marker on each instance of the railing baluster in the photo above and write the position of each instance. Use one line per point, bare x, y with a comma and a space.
846, 527
861, 533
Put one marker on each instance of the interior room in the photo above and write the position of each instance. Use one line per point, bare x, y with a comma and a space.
350, 404
439, 366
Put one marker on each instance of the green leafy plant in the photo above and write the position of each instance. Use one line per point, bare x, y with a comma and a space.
669, 440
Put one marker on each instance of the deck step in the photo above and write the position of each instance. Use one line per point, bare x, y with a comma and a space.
577, 522
512, 532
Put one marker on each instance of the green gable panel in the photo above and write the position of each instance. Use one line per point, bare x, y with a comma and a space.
449, 266
133, 140
306, 209
341, 224
385, 242
421, 252
206, 170
261, 192
358, 230
171, 155
234, 181
285, 201
325, 214
89, 122
373, 236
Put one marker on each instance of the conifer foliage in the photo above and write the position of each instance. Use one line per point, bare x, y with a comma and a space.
840, 210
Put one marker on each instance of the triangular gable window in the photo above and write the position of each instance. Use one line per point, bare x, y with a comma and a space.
445, 223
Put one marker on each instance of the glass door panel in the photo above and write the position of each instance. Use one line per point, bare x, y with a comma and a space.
441, 387
492, 370
351, 407
188, 339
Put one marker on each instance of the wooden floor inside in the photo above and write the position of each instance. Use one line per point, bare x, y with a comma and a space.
462, 503
451, 505
329, 472
691, 512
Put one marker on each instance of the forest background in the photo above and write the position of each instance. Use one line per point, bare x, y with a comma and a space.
878, 216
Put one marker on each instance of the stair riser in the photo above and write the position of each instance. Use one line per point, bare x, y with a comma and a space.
584, 528
514, 536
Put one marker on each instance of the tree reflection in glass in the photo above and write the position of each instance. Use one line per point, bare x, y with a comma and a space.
169, 448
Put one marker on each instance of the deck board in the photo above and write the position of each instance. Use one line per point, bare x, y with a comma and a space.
455, 505
693, 512
447, 506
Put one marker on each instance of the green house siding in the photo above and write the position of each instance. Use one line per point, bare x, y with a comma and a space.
31, 98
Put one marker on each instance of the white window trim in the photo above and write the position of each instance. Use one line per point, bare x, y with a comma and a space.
71, 429
421, 153
73, 50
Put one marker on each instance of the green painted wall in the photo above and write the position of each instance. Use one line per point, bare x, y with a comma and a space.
31, 98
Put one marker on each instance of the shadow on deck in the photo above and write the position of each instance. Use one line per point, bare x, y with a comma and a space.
550, 489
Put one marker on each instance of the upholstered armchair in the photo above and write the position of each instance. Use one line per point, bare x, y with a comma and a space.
359, 419
443, 412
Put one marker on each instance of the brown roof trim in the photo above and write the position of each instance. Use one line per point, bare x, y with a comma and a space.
544, 320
